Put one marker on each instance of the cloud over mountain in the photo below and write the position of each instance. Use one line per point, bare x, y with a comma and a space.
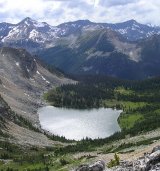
59, 11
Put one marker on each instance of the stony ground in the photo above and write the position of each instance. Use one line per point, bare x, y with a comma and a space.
147, 159
127, 155
137, 150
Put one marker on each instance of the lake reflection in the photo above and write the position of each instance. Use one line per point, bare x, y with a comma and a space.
77, 124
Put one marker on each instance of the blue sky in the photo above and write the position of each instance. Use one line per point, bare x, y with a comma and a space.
55, 12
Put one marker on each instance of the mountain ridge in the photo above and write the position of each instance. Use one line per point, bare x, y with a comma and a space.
29, 32
84, 47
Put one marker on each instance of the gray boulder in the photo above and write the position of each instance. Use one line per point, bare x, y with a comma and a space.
82, 168
97, 166
154, 160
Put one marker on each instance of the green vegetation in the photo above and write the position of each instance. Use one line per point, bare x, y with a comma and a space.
128, 121
24, 158
114, 162
139, 100
58, 138
34, 158
14, 157
21, 121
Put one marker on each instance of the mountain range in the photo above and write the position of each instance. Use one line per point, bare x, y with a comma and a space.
125, 50
32, 34
106, 52
28, 54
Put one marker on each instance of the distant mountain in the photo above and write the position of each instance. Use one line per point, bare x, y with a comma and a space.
105, 52
28, 34
131, 30
34, 35
84, 47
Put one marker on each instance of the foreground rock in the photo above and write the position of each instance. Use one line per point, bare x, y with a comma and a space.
98, 166
149, 162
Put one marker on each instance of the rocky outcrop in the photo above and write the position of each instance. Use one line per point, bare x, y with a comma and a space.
98, 166
149, 162
153, 162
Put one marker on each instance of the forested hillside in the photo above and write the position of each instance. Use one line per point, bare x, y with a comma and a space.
139, 100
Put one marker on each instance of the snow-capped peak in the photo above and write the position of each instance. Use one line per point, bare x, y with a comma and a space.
30, 30
32, 33
28, 21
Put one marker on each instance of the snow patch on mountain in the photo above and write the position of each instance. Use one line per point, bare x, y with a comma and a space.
43, 78
33, 35
122, 31
17, 63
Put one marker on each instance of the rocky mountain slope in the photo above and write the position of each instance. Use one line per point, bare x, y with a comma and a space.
17, 130
106, 52
94, 52
131, 29
23, 81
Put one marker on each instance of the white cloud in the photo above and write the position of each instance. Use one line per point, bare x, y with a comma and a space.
58, 11
116, 2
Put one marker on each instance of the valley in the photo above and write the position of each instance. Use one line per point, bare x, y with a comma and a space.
140, 103
80, 68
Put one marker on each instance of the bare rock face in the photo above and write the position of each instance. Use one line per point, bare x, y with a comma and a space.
26, 65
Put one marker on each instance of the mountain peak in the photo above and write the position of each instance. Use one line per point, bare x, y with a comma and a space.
132, 21
84, 21
77, 22
28, 19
